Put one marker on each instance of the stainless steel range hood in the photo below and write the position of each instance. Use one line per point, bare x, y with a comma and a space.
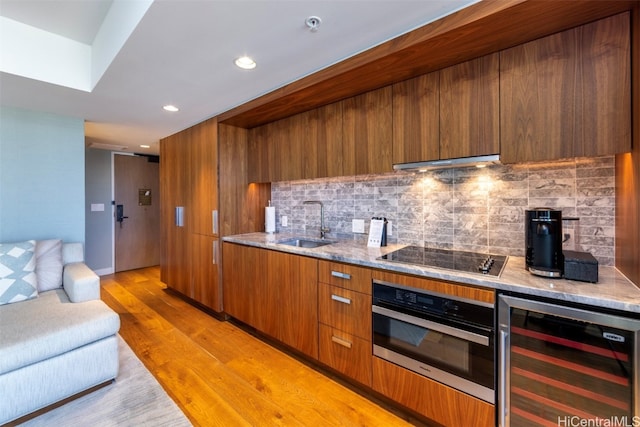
461, 162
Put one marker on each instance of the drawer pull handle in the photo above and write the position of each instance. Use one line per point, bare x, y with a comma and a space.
340, 341
341, 275
340, 299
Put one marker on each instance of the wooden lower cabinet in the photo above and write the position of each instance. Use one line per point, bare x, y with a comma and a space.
239, 281
345, 276
346, 353
345, 309
204, 271
274, 292
435, 401
344, 314
291, 300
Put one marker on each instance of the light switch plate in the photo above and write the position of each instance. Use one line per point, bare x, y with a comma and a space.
284, 221
357, 226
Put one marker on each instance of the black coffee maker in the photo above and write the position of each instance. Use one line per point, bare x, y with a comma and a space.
543, 242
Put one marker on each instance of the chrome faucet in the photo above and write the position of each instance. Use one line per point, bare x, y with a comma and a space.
323, 229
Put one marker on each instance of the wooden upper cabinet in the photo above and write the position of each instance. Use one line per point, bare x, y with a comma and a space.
203, 169
469, 108
567, 95
367, 133
416, 119
321, 138
307, 145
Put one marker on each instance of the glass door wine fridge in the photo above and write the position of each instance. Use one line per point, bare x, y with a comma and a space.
566, 366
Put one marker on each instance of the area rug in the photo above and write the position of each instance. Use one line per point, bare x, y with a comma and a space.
134, 399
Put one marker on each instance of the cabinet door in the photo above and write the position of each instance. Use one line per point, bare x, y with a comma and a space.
174, 191
367, 133
568, 94
291, 308
345, 276
346, 353
416, 119
203, 169
346, 310
204, 273
243, 272
321, 137
469, 108
436, 401
286, 148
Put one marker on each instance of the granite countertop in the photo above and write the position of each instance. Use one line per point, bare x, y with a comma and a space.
613, 289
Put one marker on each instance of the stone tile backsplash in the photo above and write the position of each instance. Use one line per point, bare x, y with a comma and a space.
465, 209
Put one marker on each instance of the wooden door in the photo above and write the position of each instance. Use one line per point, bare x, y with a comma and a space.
416, 119
137, 230
203, 169
568, 94
469, 108
174, 192
367, 133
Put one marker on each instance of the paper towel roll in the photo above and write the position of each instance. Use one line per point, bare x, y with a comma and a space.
270, 219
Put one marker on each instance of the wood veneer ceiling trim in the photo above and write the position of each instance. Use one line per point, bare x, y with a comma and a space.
483, 28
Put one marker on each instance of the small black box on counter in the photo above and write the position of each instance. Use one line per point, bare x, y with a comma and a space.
580, 266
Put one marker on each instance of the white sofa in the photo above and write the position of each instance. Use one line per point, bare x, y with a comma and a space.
57, 344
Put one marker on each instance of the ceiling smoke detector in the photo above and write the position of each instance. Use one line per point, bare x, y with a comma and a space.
313, 22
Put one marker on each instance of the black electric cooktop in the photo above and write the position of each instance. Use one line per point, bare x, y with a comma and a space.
468, 262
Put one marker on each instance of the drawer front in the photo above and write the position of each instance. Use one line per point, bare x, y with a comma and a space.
440, 286
347, 354
344, 309
451, 408
345, 276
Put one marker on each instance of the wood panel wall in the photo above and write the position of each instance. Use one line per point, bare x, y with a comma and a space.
628, 174
241, 204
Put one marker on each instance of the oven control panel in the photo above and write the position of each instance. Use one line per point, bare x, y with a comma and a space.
424, 302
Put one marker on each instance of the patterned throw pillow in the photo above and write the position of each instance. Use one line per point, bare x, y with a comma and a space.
18, 281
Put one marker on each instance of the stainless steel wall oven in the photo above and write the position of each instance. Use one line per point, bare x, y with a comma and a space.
445, 338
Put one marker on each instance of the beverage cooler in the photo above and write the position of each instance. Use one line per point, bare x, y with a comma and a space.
565, 365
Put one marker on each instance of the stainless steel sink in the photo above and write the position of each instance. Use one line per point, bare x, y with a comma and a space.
305, 243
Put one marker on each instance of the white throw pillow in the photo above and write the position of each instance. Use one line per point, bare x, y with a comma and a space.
18, 280
49, 264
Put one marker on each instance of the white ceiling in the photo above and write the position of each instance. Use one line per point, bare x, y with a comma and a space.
134, 56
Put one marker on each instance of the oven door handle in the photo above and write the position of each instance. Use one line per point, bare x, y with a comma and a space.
434, 326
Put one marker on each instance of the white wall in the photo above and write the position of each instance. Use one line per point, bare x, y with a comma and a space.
41, 176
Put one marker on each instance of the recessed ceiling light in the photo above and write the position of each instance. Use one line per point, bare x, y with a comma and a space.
245, 63
171, 108
145, 146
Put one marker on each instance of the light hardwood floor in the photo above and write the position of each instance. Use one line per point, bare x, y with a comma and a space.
220, 374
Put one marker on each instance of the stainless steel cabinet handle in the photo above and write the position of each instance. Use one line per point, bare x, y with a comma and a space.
180, 216
214, 261
340, 341
214, 221
340, 299
341, 275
